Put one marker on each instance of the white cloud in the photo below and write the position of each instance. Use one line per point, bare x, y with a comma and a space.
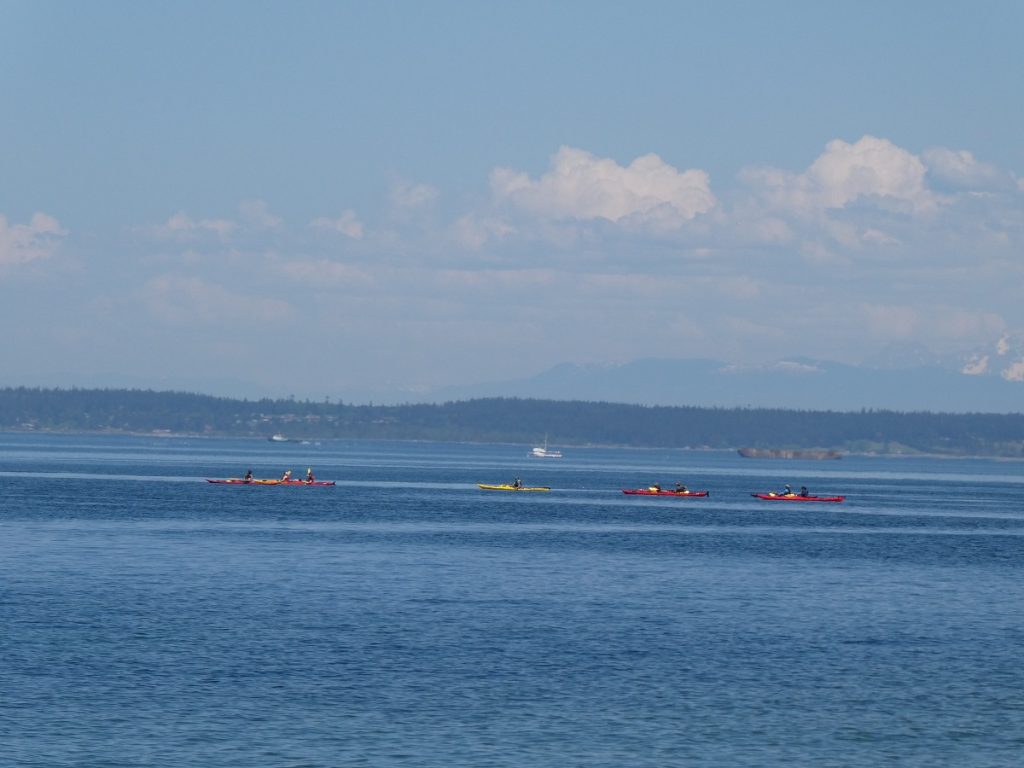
670, 264
782, 366
891, 322
22, 243
409, 195
254, 216
960, 168
256, 213
347, 224
870, 168
976, 366
191, 301
769, 229
952, 322
474, 231
1014, 372
819, 254
183, 226
581, 186
322, 271
877, 237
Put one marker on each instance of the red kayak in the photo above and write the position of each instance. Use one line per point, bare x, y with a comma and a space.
240, 481
649, 492
794, 497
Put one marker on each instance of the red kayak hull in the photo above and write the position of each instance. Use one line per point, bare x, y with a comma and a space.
795, 497
239, 481
648, 492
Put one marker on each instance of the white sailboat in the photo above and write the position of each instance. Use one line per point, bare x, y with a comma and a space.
542, 451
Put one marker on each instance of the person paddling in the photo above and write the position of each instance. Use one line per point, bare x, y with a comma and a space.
287, 476
248, 476
309, 476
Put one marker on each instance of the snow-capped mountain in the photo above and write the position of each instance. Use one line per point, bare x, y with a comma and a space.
1005, 359
798, 383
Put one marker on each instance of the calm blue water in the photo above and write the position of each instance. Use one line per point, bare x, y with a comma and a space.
406, 618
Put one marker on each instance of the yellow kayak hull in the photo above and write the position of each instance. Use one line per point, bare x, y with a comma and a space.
506, 487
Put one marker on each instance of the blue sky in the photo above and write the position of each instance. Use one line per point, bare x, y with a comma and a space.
336, 199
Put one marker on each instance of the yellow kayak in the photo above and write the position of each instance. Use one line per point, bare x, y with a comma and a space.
507, 487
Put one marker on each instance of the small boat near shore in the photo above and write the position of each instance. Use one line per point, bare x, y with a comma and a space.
543, 452
659, 492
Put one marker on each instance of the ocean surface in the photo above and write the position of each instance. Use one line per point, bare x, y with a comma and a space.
406, 618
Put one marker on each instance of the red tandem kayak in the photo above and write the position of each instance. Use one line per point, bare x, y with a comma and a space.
240, 481
649, 492
794, 497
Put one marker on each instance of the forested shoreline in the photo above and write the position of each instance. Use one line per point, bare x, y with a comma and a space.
512, 420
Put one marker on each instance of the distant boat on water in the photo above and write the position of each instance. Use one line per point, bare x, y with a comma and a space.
543, 452
278, 438
787, 453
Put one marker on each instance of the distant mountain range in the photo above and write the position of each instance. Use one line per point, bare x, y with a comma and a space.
903, 379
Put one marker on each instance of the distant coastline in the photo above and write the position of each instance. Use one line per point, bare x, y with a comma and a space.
785, 433
816, 454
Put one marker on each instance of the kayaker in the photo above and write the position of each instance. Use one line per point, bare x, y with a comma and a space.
680, 488
248, 476
517, 483
803, 491
309, 475
788, 491
286, 476
656, 487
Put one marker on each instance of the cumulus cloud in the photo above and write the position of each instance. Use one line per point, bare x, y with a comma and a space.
857, 232
952, 322
254, 216
183, 226
976, 366
1014, 372
581, 186
844, 173
877, 237
473, 231
408, 195
23, 243
191, 301
347, 224
891, 322
256, 213
960, 168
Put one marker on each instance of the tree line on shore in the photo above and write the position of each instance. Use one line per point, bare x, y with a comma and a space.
513, 420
